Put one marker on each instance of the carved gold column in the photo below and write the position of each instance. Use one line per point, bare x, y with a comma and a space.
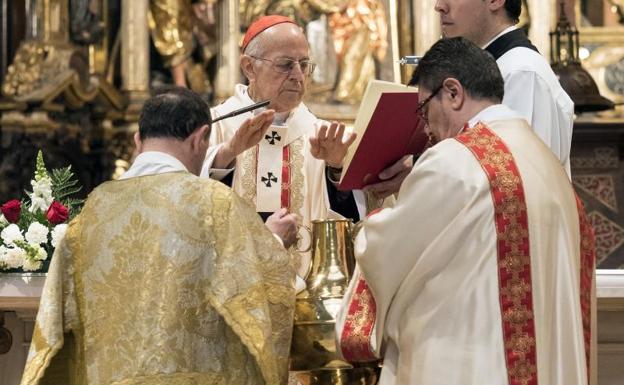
228, 72
426, 25
134, 53
393, 13
52, 21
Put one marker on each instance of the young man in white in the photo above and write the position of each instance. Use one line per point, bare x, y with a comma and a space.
531, 87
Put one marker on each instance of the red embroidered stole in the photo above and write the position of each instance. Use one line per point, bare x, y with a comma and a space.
514, 259
358, 326
357, 331
588, 260
285, 195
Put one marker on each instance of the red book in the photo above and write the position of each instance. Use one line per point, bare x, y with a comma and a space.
388, 127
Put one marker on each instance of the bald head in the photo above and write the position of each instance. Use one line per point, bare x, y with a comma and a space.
285, 90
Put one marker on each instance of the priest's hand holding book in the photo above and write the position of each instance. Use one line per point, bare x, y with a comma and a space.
390, 133
391, 178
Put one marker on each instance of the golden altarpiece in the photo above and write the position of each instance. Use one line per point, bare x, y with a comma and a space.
74, 75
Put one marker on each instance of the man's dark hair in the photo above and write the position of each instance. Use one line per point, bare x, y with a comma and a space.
173, 112
513, 9
458, 58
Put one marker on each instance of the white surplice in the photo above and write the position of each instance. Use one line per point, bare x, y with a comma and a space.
258, 171
533, 90
431, 265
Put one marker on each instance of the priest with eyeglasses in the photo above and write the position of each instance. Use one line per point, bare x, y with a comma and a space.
291, 162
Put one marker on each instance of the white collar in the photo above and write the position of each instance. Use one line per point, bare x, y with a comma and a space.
504, 31
280, 117
152, 163
492, 113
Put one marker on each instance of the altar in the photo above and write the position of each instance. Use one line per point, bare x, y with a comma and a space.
19, 297
19, 301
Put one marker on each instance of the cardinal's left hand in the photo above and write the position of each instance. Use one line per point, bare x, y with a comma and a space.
331, 144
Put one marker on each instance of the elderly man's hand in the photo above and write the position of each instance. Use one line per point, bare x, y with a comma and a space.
283, 225
248, 135
391, 178
329, 144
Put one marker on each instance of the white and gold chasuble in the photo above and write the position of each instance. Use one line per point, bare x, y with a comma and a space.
165, 279
482, 271
280, 172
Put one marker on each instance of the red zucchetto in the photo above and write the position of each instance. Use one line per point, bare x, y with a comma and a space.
261, 24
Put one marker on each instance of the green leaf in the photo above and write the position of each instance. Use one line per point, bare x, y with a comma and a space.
64, 186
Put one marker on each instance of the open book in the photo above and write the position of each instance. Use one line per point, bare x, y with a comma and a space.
388, 127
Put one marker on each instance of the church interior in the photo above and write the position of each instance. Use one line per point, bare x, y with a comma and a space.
74, 75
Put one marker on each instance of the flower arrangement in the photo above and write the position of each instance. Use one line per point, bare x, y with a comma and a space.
30, 229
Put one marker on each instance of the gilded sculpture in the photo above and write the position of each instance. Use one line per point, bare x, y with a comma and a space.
179, 28
359, 31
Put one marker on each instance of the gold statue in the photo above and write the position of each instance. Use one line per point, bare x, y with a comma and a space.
360, 36
358, 27
172, 33
177, 27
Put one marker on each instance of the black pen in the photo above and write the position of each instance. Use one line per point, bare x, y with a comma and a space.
243, 110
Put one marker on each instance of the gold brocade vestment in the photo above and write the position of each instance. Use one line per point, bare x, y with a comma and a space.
165, 279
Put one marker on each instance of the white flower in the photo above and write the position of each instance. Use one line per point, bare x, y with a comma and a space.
42, 187
58, 233
41, 197
37, 233
38, 204
40, 253
11, 233
3, 221
31, 265
3, 252
14, 257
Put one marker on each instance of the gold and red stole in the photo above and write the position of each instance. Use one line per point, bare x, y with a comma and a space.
514, 267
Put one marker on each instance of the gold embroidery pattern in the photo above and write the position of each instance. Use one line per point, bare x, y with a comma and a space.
358, 327
296, 175
247, 172
209, 298
514, 260
588, 262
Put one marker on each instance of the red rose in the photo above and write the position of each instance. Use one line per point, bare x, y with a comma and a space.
11, 210
57, 213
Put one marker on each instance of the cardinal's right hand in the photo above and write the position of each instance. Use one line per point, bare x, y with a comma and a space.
248, 135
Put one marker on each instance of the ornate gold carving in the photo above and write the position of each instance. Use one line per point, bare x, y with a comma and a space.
296, 174
249, 164
41, 72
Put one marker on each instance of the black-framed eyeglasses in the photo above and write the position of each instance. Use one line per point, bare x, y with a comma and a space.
420, 109
285, 65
